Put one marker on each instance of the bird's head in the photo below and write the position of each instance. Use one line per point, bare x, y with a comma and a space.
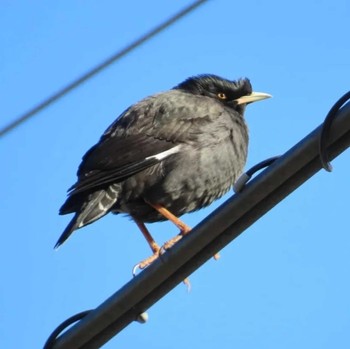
234, 94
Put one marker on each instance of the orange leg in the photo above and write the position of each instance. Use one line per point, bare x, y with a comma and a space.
154, 246
184, 228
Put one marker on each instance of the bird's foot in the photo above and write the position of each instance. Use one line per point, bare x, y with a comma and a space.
170, 243
148, 261
145, 263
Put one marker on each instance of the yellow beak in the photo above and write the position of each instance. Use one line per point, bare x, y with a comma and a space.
253, 97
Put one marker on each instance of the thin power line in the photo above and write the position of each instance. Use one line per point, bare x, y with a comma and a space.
97, 69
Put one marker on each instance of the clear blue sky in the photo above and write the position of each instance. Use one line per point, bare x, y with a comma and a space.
284, 283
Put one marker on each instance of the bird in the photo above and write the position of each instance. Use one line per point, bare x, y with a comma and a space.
171, 153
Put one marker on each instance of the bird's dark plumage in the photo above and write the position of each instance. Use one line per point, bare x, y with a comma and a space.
180, 149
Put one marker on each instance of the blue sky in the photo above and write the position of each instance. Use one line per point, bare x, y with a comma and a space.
284, 283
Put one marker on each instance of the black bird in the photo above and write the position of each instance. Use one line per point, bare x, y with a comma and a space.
169, 154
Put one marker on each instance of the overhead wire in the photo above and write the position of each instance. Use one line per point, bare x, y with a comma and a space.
101, 66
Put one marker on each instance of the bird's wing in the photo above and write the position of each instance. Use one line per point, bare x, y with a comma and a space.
116, 159
141, 137
126, 147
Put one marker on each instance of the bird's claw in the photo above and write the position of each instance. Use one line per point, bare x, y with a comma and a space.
145, 263
135, 269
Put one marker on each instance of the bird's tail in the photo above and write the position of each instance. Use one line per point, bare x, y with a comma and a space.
96, 206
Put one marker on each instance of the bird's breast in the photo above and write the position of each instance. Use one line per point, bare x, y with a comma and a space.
201, 172
193, 179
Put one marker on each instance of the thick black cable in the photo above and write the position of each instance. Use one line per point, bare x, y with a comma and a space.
285, 174
97, 69
260, 195
327, 124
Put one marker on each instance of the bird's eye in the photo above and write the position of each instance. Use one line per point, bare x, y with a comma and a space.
222, 95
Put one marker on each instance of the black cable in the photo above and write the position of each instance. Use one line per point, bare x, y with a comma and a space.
53, 336
227, 222
324, 135
238, 187
74, 84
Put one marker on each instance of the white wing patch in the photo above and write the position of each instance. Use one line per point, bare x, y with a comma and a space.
165, 154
